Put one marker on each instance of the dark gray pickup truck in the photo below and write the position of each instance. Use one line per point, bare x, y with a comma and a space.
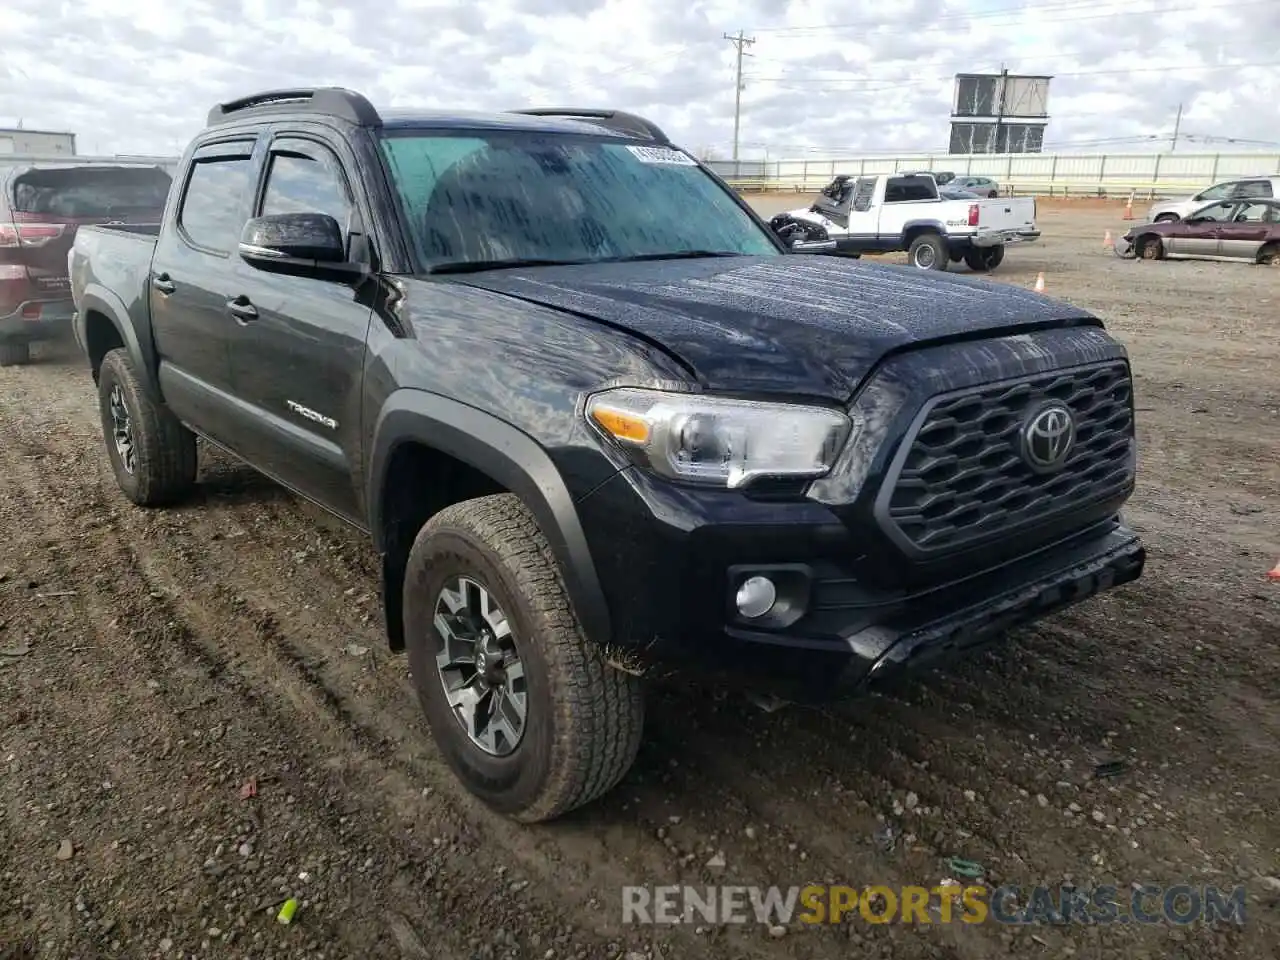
599, 421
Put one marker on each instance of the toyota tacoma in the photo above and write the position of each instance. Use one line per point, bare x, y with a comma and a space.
599, 422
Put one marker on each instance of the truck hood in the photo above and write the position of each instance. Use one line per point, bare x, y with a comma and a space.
808, 324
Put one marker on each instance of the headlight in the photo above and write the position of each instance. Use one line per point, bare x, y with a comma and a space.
717, 441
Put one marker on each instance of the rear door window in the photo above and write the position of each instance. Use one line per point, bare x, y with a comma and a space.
214, 203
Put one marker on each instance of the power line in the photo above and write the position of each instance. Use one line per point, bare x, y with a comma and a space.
1182, 67
1016, 13
739, 42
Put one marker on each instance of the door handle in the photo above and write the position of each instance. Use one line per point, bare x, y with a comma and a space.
242, 309
162, 284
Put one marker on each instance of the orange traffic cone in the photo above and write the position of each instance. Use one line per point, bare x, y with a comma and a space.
1274, 574
1107, 241
1040, 282
1128, 208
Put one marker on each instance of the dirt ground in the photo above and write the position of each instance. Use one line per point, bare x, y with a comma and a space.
154, 663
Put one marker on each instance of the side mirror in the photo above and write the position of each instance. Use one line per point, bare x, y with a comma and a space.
299, 243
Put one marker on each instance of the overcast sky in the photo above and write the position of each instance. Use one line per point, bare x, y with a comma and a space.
826, 77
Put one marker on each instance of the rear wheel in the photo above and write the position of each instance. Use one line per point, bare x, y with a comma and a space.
1270, 254
984, 259
14, 354
153, 456
993, 194
527, 711
928, 252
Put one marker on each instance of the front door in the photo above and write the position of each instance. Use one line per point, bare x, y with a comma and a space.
297, 357
1197, 236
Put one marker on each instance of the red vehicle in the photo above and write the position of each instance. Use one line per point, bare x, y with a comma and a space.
1247, 228
41, 206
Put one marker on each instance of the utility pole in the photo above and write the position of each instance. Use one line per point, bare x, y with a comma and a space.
739, 42
1177, 125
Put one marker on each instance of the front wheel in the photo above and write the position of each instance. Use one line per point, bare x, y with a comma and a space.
1166, 218
1149, 248
1270, 254
153, 456
527, 712
984, 259
928, 252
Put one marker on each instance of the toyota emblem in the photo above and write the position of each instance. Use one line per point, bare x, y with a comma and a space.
1048, 436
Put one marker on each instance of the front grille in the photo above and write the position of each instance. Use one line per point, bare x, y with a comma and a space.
964, 479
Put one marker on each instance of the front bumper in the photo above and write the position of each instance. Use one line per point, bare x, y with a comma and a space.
670, 562
37, 320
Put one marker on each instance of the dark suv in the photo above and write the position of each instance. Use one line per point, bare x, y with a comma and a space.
597, 419
41, 206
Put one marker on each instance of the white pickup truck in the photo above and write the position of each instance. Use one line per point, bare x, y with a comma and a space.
903, 211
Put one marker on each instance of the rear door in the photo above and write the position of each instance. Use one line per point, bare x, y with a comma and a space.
1247, 230
47, 204
192, 276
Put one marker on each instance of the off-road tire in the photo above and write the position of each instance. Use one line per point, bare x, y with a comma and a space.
14, 354
584, 717
164, 450
984, 259
941, 259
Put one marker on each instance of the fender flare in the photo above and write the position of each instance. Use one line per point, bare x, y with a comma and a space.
936, 226
99, 299
513, 459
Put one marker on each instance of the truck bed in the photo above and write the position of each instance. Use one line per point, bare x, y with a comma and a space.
115, 259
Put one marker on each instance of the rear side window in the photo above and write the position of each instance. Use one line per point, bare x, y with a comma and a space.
901, 189
213, 206
1253, 188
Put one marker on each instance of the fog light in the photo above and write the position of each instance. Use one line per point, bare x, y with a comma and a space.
756, 597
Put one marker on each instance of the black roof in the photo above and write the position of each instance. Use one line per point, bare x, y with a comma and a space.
352, 107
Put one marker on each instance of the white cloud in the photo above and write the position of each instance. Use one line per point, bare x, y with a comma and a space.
825, 75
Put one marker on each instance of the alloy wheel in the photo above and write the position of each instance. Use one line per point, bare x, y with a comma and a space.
479, 666
122, 429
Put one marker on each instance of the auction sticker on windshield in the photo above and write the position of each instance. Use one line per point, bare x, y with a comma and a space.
662, 155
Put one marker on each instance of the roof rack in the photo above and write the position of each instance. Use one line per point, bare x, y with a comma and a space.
329, 101
616, 120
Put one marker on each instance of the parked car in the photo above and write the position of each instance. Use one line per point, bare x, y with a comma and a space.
906, 211
598, 421
1261, 188
41, 207
982, 186
1227, 230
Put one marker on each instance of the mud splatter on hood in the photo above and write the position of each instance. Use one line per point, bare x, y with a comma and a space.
793, 324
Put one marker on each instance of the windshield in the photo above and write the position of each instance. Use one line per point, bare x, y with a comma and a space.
507, 196
91, 192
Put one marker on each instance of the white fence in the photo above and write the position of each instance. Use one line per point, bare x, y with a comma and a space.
1049, 174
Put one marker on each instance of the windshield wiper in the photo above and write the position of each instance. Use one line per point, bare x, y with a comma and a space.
475, 266
674, 255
